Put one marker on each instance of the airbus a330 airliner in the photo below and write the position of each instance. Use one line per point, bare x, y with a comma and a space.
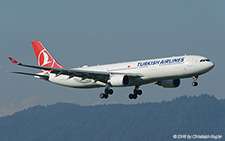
165, 72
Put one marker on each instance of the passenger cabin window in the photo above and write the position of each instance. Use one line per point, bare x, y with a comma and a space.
204, 60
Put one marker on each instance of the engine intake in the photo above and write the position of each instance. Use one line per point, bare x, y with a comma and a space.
169, 83
119, 80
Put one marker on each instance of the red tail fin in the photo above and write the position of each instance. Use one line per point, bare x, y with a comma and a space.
43, 56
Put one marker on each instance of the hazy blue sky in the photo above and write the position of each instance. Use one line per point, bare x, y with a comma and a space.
87, 32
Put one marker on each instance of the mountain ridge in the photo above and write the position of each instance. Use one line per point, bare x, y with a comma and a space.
201, 115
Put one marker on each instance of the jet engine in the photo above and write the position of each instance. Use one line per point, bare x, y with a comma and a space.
119, 80
169, 83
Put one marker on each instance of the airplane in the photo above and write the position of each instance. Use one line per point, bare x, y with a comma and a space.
165, 72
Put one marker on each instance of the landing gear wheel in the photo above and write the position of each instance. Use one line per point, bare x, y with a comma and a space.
110, 91
131, 96
106, 91
134, 96
195, 84
139, 92
106, 96
102, 95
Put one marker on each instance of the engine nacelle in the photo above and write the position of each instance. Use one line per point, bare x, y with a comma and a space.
169, 83
119, 80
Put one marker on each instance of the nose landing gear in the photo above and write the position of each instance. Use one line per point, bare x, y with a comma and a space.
195, 83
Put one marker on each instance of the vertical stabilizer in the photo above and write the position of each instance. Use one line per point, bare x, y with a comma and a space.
44, 58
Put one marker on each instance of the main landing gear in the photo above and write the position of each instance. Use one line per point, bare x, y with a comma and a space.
136, 93
109, 91
195, 83
106, 94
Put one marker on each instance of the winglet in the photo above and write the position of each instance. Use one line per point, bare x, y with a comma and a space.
13, 60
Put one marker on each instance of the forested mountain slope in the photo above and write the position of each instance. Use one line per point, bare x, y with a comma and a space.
202, 115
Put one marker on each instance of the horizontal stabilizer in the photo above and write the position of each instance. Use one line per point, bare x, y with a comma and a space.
31, 74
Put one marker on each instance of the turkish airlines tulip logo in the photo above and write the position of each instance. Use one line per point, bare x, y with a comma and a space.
45, 59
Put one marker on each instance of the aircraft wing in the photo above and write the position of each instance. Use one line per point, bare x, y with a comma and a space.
84, 73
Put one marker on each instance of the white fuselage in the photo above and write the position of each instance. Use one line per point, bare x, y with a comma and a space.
150, 71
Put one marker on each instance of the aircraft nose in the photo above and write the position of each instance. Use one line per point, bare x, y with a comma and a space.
211, 65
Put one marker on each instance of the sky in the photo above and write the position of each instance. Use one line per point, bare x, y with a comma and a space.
87, 32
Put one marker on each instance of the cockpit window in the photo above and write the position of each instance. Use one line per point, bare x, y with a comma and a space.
204, 60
